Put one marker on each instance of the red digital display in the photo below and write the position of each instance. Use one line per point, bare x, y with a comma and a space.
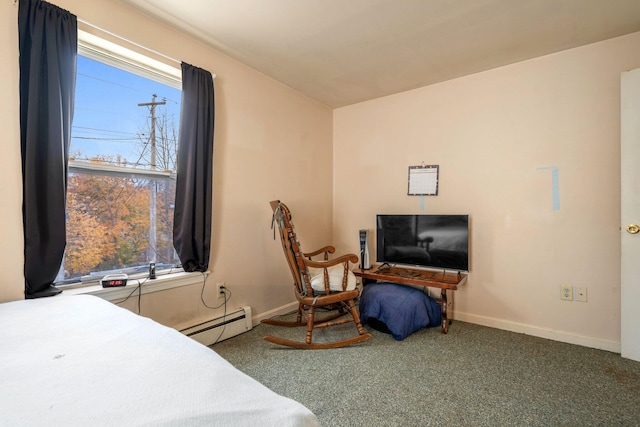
111, 283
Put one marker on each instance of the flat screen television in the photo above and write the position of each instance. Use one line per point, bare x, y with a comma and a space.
435, 241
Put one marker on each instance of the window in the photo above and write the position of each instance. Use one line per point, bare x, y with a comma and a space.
122, 163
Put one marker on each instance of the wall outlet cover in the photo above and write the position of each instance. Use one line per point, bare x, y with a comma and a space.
566, 293
581, 294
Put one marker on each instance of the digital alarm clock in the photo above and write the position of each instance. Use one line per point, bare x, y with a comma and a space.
114, 280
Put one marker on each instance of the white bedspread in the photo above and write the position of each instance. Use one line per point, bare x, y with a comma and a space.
80, 360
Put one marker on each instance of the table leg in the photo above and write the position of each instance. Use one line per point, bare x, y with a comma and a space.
444, 307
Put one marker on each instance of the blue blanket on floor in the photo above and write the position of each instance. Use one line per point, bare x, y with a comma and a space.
402, 309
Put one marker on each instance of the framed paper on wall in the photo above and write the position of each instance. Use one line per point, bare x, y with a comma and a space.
423, 180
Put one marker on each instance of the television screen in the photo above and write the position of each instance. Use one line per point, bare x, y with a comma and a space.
437, 241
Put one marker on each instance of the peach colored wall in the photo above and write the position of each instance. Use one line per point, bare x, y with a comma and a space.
270, 142
490, 132
12, 247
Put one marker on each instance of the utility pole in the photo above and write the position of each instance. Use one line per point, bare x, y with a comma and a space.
152, 182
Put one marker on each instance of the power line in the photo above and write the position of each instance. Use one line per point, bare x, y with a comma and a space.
110, 82
173, 101
95, 138
103, 130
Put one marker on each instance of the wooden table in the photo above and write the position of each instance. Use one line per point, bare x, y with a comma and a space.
447, 282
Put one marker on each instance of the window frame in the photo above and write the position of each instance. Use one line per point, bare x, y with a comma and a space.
100, 49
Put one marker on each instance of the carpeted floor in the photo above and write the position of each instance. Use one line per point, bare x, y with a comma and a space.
473, 376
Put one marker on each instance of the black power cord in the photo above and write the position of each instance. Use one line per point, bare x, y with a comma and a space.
227, 297
137, 288
151, 275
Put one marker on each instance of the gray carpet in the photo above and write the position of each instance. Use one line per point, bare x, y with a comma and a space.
473, 376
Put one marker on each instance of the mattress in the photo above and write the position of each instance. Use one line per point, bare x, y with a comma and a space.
80, 361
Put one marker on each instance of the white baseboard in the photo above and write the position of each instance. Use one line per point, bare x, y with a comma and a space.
551, 334
222, 327
491, 322
278, 311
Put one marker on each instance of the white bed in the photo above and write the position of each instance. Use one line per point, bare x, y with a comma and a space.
80, 360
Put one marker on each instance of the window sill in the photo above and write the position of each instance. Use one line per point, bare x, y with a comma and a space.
168, 281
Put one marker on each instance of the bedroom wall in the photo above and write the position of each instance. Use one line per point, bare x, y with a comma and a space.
490, 133
270, 142
12, 247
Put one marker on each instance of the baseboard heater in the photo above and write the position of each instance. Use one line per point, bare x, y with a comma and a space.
221, 328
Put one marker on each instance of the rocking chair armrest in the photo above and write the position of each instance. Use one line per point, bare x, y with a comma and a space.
329, 275
353, 258
326, 250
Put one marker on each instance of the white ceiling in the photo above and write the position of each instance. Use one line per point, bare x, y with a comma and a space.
340, 52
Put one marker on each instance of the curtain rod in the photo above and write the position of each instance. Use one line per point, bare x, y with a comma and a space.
128, 41
85, 22
132, 42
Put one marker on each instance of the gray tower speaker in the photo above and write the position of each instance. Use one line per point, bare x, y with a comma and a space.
365, 261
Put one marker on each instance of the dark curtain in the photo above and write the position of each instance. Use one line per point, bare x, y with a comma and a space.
192, 215
48, 48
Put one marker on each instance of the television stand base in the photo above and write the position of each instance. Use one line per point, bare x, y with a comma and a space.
446, 282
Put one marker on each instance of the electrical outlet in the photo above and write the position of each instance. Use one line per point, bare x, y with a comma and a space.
219, 290
566, 292
581, 294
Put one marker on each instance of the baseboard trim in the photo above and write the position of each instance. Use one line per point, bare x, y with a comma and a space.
491, 322
278, 311
551, 334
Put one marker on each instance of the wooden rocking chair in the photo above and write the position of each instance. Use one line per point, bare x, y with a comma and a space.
314, 287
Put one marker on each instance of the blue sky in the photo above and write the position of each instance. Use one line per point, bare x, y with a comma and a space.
107, 118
